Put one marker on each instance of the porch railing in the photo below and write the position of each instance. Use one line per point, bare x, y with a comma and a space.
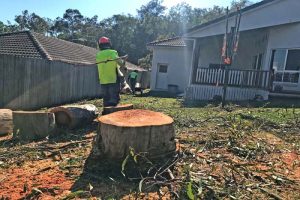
236, 78
287, 76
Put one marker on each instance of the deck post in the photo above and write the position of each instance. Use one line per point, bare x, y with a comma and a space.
225, 86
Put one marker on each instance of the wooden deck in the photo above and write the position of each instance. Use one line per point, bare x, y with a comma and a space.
241, 84
235, 78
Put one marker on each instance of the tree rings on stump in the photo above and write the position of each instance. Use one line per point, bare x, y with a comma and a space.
143, 130
112, 109
74, 116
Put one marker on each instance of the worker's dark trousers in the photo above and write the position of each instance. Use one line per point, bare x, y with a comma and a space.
110, 94
132, 82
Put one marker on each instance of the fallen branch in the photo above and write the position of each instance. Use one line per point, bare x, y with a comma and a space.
270, 193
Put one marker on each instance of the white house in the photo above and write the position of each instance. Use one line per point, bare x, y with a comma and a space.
267, 60
171, 64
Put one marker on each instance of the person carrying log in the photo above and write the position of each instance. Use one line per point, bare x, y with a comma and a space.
108, 63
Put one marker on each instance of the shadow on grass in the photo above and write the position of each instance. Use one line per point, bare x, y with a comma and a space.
274, 102
106, 179
161, 94
66, 135
282, 102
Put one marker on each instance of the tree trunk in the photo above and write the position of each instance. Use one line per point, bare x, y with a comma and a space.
112, 109
143, 130
30, 125
6, 125
74, 116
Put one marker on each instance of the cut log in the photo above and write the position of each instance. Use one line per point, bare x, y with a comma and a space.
6, 124
112, 109
74, 116
143, 130
30, 125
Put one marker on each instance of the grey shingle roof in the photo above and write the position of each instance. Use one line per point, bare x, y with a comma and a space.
173, 42
19, 44
65, 51
34, 45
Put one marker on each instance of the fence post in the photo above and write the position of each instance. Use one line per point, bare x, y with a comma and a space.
225, 86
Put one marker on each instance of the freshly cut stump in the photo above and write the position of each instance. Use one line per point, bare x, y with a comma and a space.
143, 130
112, 109
75, 115
6, 124
30, 125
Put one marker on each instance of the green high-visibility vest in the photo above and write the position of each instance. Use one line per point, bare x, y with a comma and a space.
133, 75
107, 71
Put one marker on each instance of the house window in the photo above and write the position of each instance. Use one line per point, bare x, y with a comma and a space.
257, 62
293, 60
278, 59
286, 64
163, 68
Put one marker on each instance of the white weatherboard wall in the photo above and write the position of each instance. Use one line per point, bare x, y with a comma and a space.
285, 36
271, 14
251, 43
178, 60
210, 51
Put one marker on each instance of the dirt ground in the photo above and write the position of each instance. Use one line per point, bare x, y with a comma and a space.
220, 158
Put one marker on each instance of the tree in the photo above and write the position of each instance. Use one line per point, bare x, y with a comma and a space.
59, 26
73, 20
2, 27
120, 29
240, 4
90, 31
145, 62
32, 21
153, 8
180, 18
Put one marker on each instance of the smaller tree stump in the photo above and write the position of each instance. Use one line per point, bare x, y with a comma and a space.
143, 130
30, 125
6, 124
74, 116
112, 109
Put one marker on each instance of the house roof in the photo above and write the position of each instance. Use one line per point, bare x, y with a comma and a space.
20, 44
172, 42
132, 67
34, 45
65, 51
253, 6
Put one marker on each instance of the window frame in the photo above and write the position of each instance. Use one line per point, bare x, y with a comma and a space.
160, 65
285, 59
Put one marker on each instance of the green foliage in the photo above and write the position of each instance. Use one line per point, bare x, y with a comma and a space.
27, 21
189, 190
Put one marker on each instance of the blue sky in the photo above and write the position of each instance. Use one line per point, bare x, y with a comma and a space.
89, 8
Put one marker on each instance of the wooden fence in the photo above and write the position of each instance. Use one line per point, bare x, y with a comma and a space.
34, 83
236, 78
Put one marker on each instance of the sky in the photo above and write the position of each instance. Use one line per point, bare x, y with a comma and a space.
103, 8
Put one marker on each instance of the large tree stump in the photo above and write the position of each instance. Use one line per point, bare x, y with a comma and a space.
112, 109
6, 125
30, 125
143, 130
74, 116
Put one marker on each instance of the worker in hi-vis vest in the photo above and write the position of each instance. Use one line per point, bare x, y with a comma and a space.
108, 62
132, 77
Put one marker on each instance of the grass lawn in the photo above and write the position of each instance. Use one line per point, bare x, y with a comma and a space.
245, 151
